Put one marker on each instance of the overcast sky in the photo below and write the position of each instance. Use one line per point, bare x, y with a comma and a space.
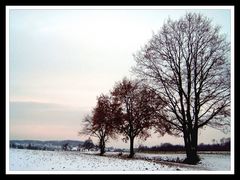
61, 60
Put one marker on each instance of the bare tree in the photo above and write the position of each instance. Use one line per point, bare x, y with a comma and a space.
138, 104
100, 124
187, 63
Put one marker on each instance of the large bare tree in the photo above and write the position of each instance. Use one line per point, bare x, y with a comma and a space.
138, 104
188, 63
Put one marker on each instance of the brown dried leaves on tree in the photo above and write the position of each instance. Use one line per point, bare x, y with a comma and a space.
138, 104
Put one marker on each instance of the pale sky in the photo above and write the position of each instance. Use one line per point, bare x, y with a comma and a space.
61, 60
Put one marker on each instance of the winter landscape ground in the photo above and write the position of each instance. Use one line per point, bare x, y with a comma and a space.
37, 160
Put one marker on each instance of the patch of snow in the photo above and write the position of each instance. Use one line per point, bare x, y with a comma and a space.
215, 162
209, 161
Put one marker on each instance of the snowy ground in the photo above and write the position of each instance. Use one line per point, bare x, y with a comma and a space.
209, 161
35, 160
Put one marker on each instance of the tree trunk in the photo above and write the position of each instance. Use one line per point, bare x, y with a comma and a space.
102, 147
190, 140
131, 147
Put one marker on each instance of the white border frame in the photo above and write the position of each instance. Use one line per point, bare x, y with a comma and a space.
231, 8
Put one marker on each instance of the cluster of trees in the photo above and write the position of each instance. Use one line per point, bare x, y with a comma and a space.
66, 146
224, 145
183, 85
215, 147
87, 145
162, 147
31, 146
128, 110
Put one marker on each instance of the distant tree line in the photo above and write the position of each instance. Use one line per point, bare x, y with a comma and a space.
86, 145
224, 145
31, 146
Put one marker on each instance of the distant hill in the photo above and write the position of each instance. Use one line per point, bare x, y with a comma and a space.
52, 144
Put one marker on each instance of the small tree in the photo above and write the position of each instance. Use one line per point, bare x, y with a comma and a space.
88, 144
65, 147
100, 124
29, 146
138, 106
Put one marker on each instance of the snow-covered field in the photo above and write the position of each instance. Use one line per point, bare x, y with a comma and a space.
36, 160
209, 161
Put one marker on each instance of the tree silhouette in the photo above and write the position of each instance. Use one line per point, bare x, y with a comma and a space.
187, 63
